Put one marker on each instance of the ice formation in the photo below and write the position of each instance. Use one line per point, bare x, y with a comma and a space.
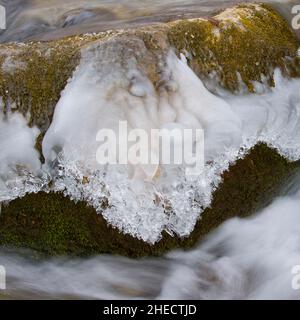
19, 160
104, 91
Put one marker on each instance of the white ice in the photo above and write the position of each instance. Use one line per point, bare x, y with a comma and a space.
18, 155
144, 201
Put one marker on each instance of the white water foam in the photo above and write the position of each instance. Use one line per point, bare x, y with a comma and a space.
19, 160
108, 87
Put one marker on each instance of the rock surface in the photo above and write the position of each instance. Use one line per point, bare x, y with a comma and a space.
240, 45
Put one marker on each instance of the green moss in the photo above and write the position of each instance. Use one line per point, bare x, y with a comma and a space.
33, 75
249, 40
36, 87
53, 224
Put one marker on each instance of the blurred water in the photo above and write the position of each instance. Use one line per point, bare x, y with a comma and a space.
243, 259
44, 20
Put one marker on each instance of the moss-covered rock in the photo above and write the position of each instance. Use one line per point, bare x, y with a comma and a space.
53, 224
33, 75
247, 41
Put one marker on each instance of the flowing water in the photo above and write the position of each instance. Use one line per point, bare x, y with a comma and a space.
250, 258
44, 20
243, 259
